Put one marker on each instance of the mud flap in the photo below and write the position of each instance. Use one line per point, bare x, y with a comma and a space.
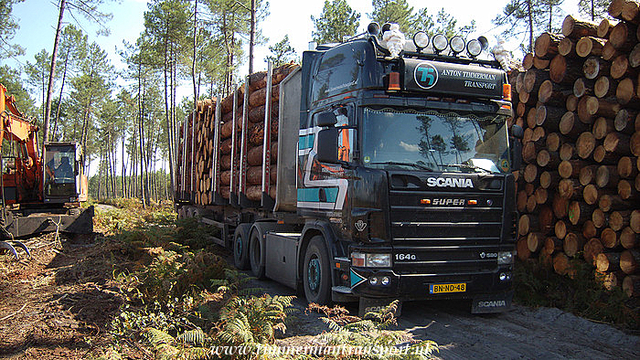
372, 304
491, 303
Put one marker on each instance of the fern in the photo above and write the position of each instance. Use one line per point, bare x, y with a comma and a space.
194, 337
157, 337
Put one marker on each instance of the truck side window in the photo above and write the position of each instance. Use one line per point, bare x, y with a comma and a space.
346, 135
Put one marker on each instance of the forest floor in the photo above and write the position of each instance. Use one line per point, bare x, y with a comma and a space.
93, 297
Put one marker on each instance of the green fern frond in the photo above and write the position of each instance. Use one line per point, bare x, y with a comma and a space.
194, 353
194, 337
157, 337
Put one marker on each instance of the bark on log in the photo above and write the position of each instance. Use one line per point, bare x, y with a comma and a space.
592, 248
570, 125
554, 140
607, 176
617, 143
608, 261
560, 229
604, 28
624, 121
629, 261
572, 103
628, 238
587, 174
631, 285
546, 45
602, 126
618, 220
567, 151
560, 206
549, 179
601, 156
585, 144
626, 167
583, 86
589, 230
552, 94
567, 48
563, 72
589, 46
609, 238
579, 212
576, 29
533, 79
623, 36
573, 243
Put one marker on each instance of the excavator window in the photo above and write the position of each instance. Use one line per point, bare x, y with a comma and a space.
60, 172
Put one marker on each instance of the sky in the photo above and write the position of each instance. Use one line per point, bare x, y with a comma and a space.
38, 19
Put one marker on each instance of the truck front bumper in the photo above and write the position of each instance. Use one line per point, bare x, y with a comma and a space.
491, 291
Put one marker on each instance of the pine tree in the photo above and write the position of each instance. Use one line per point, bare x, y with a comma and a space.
522, 16
337, 20
594, 9
281, 52
8, 28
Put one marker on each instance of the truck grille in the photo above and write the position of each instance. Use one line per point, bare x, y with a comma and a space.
445, 239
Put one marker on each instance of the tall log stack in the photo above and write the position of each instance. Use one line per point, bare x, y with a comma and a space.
578, 100
203, 130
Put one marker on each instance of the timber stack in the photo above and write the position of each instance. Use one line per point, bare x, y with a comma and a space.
578, 99
206, 138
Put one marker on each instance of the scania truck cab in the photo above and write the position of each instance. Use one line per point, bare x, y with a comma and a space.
405, 173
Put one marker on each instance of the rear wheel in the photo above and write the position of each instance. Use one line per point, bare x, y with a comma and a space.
241, 247
256, 254
316, 276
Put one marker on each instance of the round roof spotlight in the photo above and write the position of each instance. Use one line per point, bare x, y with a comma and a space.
457, 44
386, 27
474, 47
439, 42
373, 28
421, 40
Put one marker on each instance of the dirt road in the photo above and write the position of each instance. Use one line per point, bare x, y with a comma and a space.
521, 333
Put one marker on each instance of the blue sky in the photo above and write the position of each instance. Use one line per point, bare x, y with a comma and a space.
37, 19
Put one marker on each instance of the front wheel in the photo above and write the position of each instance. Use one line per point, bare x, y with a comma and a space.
316, 276
256, 254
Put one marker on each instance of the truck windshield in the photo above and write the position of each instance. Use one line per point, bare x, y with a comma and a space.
435, 140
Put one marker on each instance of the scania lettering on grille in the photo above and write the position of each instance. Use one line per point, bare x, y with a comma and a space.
450, 182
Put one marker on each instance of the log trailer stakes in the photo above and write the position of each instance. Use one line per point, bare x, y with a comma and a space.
377, 170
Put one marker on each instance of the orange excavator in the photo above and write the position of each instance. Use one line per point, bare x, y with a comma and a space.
38, 196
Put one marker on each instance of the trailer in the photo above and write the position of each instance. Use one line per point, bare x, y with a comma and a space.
366, 174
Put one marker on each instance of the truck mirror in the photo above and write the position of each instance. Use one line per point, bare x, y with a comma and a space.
327, 118
517, 131
516, 154
328, 145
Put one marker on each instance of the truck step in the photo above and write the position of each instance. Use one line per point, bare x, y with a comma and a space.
341, 289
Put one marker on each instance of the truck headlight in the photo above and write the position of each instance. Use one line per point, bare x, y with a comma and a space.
505, 257
370, 260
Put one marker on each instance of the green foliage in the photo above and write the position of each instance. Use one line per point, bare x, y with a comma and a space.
594, 9
253, 320
10, 78
410, 21
582, 295
529, 17
337, 20
281, 52
8, 28
372, 332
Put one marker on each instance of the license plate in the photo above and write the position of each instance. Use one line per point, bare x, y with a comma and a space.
447, 288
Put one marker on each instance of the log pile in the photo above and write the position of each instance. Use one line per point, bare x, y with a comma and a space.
228, 149
578, 99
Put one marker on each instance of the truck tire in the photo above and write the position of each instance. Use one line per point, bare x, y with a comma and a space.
256, 254
316, 272
241, 246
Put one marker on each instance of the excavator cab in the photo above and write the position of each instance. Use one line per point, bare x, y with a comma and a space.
64, 181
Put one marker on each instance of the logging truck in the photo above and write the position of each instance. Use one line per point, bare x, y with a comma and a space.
369, 173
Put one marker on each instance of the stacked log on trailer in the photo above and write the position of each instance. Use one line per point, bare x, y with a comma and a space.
246, 112
578, 99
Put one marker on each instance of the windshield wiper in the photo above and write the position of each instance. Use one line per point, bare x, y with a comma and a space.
419, 166
468, 166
